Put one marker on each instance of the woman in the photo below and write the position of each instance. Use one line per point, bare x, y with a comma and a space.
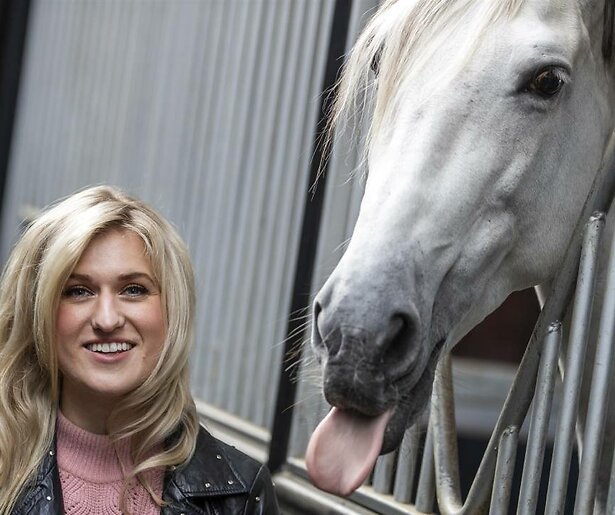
96, 314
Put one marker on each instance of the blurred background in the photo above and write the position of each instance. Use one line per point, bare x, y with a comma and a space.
213, 110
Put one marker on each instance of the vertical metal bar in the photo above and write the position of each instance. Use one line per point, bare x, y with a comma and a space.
610, 503
426, 489
13, 31
532, 469
573, 371
287, 385
520, 393
383, 473
406, 465
504, 471
598, 400
445, 440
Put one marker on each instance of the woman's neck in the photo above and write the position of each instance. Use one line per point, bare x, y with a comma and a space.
86, 412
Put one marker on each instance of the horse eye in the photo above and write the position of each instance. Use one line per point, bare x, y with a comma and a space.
547, 83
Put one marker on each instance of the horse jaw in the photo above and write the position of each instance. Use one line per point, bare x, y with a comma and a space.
463, 205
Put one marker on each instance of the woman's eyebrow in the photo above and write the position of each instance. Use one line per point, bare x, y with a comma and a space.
128, 276
80, 277
131, 276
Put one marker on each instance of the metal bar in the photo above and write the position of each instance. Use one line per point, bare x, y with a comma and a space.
573, 369
521, 391
539, 424
504, 471
13, 32
406, 465
383, 473
610, 503
598, 400
287, 385
447, 455
426, 489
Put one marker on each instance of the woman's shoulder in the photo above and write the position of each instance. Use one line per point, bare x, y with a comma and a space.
225, 459
218, 470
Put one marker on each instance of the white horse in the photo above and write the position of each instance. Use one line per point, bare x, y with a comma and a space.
490, 120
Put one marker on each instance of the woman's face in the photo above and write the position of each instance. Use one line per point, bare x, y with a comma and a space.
110, 326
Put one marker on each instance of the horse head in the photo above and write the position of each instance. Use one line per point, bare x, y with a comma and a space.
489, 122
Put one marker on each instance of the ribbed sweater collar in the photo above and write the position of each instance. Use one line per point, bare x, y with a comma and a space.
90, 456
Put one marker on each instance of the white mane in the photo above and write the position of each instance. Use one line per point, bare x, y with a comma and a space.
406, 35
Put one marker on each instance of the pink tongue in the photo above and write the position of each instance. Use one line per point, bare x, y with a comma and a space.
344, 449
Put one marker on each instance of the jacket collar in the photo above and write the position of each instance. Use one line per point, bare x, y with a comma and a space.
210, 472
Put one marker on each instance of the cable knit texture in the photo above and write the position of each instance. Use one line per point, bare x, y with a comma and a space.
91, 475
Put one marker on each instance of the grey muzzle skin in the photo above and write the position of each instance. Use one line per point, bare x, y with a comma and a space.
371, 374
361, 368
370, 348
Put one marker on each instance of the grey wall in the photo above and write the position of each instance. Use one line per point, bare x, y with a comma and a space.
206, 109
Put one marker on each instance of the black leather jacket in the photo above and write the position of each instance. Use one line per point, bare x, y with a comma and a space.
217, 480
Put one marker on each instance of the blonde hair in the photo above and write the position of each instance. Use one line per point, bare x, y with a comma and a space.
160, 411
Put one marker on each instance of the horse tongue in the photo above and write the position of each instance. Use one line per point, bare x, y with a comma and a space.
343, 450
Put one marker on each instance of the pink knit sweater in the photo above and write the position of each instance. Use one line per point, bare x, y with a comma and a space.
91, 475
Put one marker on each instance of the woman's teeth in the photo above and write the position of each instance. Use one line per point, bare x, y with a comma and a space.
109, 347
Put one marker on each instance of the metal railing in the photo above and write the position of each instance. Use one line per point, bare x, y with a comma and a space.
534, 384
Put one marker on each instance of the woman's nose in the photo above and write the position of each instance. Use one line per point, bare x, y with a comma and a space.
107, 315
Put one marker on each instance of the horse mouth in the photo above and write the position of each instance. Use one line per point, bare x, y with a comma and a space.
346, 444
411, 404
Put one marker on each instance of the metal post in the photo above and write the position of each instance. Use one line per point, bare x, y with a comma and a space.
14, 16
573, 370
504, 471
539, 424
383, 473
610, 503
521, 391
406, 465
598, 400
426, 489
287, 384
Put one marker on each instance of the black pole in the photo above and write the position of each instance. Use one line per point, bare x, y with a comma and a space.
13, 30
287, 385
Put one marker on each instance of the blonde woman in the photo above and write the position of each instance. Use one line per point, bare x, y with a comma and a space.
96, 314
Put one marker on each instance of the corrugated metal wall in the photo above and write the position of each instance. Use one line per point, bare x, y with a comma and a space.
345, 186
206, 109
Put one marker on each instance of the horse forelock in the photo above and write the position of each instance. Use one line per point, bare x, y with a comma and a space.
406, 34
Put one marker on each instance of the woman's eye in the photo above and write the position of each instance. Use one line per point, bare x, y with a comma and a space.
76, 292
548, 82
135, 290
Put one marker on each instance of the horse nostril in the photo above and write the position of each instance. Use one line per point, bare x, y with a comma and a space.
397, 346
317, 340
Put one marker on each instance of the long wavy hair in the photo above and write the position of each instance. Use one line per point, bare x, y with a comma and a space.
159, 417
